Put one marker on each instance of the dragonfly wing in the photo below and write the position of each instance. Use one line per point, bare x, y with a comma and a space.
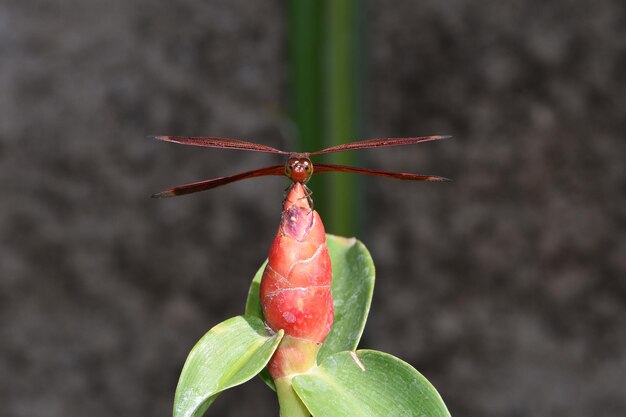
224, 143
378, 143
218, 182
398, 175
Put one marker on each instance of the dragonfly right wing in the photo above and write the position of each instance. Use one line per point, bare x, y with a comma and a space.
223, 143
218, 182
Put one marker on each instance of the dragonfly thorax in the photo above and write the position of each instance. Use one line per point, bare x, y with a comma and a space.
299, 168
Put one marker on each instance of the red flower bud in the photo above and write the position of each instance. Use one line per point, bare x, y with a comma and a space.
295, 288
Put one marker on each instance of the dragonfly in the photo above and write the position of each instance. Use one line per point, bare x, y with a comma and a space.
298, 167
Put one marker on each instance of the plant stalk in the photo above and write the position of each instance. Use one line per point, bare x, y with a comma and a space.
343, 110
306, 80
326, 79
289, 402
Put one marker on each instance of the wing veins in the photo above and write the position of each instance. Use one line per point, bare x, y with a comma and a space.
318, 168
223, 143
218, 182
378, 143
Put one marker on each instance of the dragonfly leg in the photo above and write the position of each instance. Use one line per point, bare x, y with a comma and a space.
291, 214
308, 196
286, 193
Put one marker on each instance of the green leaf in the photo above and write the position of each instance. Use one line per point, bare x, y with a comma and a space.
253, 308
253, 303
369, 384
352, 287
230, 354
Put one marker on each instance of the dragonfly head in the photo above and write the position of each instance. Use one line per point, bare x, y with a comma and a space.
299, 168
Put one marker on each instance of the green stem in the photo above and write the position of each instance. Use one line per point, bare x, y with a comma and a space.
325, 80
290, 403
306, 79
343, 111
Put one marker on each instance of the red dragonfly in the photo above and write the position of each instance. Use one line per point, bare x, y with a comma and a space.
298, 167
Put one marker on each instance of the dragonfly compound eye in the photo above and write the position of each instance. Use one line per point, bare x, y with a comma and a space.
303, 170
299, 169
291, 166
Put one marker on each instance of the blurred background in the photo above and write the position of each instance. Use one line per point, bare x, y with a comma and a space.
506, 288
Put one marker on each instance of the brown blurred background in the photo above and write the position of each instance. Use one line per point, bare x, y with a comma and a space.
506, 288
